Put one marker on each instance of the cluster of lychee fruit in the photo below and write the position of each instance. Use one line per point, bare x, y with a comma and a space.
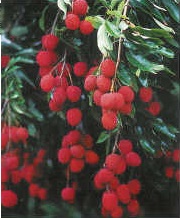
75, 152
172, 169
110, 100
73, 19
13, 134
17, 165
116, 195
146, 96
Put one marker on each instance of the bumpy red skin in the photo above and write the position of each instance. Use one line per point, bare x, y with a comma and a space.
72, 22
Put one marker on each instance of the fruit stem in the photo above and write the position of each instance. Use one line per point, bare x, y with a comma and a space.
8, 117
54, 23
4, 106
116, 141
119, 48
67, 176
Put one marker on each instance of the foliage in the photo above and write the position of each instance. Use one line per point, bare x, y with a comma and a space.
143, 41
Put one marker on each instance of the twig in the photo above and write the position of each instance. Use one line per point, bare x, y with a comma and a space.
54, 23
116, 141
4, 106
119, 48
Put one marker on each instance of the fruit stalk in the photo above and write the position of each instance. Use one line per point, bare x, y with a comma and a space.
119, 47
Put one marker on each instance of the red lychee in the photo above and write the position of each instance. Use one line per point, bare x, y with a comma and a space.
47, 83
64, 155
72, 22
76, 165
68, 194
125, 146
90, 83
77, 151
50, 41
91, 157
74, 116
80, 7
86, 27
8, 198
80, 68
145, 94
109, 200
109, 120
108, 67
73, 93
123, 193
127, 92
46, 58
103, 83
133, 159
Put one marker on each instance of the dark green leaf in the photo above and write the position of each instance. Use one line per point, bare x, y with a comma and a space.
8, 43
142, 63
103, 137
126, 77
23, 76
172, 9
105, 3
160, 126
18, 31
114, 3
27, 52
154, 32
146, 146
112, 29
42, 19
167, 28
32, 129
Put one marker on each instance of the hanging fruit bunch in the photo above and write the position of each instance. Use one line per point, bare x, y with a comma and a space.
100, 70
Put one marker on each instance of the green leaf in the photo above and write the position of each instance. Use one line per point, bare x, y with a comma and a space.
8, 43
63, 7
28, 51
32, 129
103, 41
126, 77
18, 31
154, 32
103, 137
42, 19
149, 8
112, 29
114, 3
168, 29
146, 146
142, 63
172, 9
20, 59
148, 47
96, 21
34, 111
23, 76
121, 7
50, 209
160, 126
105, 3
17, 108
